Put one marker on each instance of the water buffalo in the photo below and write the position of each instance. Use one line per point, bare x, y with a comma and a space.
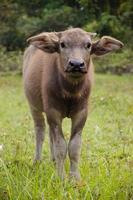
58, 74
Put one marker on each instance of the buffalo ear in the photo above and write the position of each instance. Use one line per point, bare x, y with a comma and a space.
48, 42
105, 45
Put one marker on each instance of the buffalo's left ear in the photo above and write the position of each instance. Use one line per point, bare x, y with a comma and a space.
48, 42
105, 45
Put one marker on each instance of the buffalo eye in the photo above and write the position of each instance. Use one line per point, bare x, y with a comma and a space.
62, 44
88, 45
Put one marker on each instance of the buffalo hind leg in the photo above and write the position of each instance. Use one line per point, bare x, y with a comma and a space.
39, 126
51, 146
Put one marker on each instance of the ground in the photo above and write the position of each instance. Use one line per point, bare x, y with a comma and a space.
106, 163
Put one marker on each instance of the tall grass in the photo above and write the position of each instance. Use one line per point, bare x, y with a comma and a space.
106, 163
117, 62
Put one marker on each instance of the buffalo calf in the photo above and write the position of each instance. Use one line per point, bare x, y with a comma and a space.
58, 74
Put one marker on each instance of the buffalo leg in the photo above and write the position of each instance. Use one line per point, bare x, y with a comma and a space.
51, 145
39, 126
58, 143
74, 145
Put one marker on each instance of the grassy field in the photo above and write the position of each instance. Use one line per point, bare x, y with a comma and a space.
106, 163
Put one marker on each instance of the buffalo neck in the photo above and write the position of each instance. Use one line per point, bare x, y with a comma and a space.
69, 86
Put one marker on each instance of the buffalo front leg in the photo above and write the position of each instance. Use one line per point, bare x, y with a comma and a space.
57, 142
74, 146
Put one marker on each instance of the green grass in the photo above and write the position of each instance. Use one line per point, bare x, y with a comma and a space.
116, 62
106, 163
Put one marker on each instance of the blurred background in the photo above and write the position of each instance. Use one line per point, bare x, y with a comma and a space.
20, 19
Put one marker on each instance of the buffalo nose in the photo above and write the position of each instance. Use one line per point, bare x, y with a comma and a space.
76, 64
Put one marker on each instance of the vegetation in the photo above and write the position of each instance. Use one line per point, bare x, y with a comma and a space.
106, 159
116, 63
21, 19
10, 61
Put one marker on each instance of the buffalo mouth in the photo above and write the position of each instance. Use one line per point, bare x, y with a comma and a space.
76, 71
75, 74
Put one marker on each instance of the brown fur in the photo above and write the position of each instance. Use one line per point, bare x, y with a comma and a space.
60, 94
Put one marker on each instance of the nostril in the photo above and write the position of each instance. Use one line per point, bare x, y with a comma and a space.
81, 64
72, 63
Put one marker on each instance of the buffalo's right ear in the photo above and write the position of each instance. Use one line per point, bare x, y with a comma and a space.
48, 42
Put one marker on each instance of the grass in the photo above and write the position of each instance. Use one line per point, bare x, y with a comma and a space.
106, 163
116, 62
